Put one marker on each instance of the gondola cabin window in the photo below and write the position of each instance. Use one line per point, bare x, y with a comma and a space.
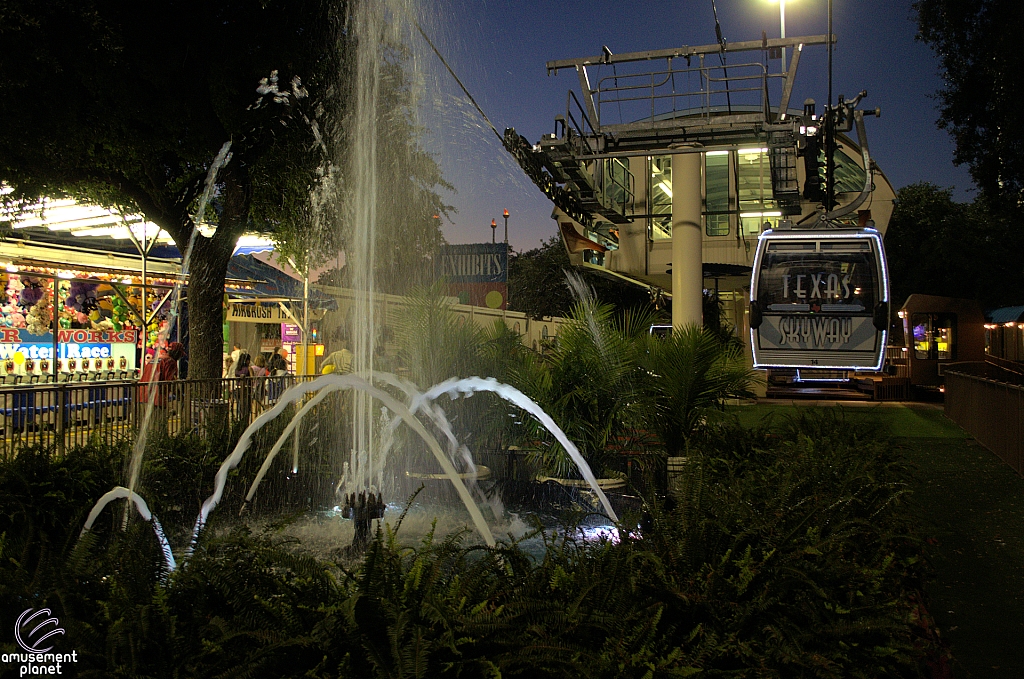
934, 336
795, 277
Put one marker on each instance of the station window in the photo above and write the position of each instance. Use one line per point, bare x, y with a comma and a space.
754, 191
660, 192
716, 193
934, 336
849, 176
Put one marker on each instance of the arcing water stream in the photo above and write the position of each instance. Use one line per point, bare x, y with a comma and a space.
222, 158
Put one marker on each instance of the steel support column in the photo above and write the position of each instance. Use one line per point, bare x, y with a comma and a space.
687, 265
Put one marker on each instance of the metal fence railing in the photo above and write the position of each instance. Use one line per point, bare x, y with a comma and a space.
896, 356
992, 411
64, 415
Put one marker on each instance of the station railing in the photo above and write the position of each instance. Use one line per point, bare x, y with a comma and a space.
701, 91
62, 416
989, 404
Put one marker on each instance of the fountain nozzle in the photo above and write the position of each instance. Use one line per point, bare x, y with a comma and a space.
362, 509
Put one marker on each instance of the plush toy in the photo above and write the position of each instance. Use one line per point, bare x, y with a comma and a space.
81, 298
119, 314
13, 290
156, 330
32, 291
40, 316
11, 313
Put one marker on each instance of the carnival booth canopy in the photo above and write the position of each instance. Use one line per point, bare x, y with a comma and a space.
266, 283
112, 276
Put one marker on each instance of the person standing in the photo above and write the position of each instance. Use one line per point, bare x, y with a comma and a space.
339, 361
157, 376
259, 367
243, 388
278, 364
242, 365
229, 368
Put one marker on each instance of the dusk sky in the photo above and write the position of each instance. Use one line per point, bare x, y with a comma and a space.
499, 49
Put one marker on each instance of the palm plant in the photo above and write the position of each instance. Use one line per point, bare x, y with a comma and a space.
436, 344
589, 382
692, 372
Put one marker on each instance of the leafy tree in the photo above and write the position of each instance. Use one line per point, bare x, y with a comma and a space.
977, 42
537, 283
127, 104
937, 246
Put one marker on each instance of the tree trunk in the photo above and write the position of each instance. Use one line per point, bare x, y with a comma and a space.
207, 272
205, 303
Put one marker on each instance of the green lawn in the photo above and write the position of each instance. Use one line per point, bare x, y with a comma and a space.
925, 421
969, 508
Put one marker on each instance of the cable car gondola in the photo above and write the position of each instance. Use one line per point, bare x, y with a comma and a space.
819, 299
819, 296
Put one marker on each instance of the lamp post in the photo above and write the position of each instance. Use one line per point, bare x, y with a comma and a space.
782, 28
506, 228
494, 230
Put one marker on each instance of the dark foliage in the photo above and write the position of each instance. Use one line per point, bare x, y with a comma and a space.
937, 246
537, 283
781, 552
977, 42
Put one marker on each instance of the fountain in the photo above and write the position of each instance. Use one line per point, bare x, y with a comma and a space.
373, 451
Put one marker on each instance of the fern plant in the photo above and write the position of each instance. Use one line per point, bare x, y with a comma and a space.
590, 383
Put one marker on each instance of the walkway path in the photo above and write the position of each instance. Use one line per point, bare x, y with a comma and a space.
970, 507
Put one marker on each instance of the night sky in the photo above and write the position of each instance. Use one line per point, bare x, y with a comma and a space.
499, 48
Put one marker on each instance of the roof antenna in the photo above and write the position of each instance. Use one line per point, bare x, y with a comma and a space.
721, 56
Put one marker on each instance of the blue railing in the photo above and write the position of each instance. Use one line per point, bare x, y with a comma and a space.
68, 414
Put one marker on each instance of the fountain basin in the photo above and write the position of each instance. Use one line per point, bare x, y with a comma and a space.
483, 473
603, 484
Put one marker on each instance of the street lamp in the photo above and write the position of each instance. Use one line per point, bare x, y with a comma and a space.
782, 27
506, 228
494, 230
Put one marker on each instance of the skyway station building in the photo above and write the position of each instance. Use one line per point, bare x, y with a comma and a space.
666, 170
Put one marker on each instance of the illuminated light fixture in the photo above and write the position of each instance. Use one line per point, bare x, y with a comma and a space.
250, 241
747, 215
666, 188
901, 313
717, 153
1011, 324
12, 268
127, 281
65, 275
752, 152
112, 231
